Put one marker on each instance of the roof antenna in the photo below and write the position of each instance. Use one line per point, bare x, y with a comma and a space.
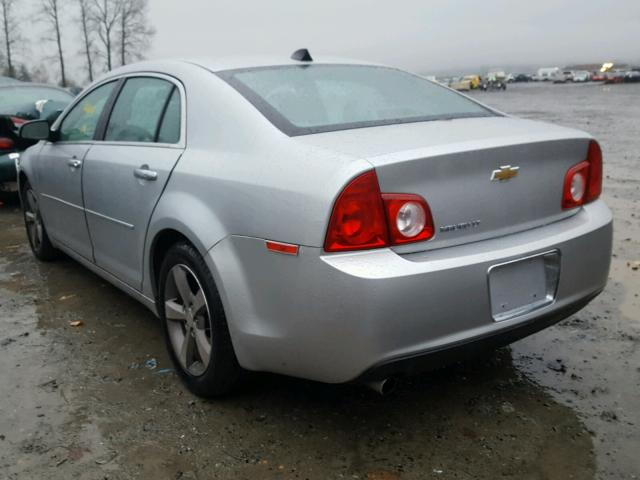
302, 55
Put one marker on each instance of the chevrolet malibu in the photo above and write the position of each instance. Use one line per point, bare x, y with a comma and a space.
331, 220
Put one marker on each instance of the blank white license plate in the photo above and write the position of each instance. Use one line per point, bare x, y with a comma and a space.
522, 286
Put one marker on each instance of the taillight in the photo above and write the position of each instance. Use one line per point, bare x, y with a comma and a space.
358, 221
594, 183
364, 218
17, 121
409, 218
583, 182
6, 144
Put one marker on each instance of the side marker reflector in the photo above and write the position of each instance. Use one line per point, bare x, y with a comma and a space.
284, 248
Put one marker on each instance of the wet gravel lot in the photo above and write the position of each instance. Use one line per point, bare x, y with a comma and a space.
100, 401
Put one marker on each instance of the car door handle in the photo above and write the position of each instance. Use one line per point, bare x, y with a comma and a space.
143, 173
74, 163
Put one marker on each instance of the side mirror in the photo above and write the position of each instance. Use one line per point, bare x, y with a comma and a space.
36, 130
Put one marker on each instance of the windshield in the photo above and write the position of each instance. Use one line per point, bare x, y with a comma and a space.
308, 99
32, 102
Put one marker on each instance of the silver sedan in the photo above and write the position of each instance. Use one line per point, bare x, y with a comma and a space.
322, 219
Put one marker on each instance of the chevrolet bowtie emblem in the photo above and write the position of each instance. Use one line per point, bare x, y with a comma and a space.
506, 172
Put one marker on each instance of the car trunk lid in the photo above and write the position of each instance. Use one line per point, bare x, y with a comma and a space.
457, 167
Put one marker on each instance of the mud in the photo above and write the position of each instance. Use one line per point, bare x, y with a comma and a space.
100, 400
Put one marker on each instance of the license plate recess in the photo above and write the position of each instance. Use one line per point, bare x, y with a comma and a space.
524, 285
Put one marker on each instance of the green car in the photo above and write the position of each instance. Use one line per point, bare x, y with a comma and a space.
20, 103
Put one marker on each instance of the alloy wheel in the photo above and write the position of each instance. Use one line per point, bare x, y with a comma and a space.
33, 219
188, 319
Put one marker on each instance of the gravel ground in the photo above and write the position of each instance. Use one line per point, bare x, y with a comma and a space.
100, 401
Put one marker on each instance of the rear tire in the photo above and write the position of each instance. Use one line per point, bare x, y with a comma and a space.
194, 324
36, 232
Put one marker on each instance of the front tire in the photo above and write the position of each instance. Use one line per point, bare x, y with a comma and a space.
194, 324
36, 232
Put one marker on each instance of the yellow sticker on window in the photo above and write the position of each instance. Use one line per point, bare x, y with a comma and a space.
89, 109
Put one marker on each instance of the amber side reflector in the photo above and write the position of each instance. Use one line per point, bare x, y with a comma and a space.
285, 248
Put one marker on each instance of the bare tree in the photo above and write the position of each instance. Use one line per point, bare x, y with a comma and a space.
51, 11
134, 31
10, 32
85, 22
105, 14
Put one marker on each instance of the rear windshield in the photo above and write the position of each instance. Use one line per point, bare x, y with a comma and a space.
306, 99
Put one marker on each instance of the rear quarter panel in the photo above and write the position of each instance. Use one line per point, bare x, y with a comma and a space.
239, 175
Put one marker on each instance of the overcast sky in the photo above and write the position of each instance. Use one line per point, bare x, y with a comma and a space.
422, 35
427, 36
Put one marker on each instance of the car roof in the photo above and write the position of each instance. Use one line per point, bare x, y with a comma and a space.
241, 62
9, 81
33, 85
221, 64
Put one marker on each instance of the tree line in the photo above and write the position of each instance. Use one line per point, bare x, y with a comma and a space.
110, 33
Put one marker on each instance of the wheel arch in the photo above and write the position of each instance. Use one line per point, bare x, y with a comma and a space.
178, 216
160, 245
23, 178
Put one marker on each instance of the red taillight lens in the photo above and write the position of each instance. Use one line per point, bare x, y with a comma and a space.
6, 144
364, 218
583, 182
409, 218
594, 184
357, 221
17, 121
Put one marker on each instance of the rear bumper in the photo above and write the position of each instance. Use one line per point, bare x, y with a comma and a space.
469, 347
340, 317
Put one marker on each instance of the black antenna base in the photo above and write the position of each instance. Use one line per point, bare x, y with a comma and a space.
302, 55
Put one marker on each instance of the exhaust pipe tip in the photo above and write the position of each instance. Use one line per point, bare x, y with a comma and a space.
384, 386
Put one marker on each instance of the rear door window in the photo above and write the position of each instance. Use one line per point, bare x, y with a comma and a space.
138, 111
171, 122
